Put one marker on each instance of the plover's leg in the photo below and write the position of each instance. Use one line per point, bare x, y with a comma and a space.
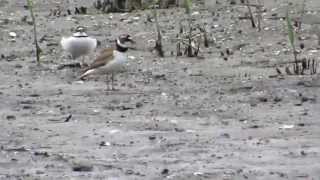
108, 82
112, 81
83, 63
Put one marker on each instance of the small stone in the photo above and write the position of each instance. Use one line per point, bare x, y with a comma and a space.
82, 168
4, 21
254, 126
41, 153
19, 66
165, 171
277, 99
11, 117
179, 129
129, 172
103, 143
34, 95
152, 137
39, 172
226, 135
139, 105
263, 99
12, 34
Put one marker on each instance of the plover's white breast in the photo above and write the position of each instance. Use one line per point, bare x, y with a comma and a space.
118, 63
78, 46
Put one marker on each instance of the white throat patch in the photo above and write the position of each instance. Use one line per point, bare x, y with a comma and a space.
80, 34
121, 44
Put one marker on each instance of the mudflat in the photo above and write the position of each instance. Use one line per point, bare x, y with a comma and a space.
207, 117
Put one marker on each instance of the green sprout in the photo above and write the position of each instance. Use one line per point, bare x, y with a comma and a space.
290, 30
291, 36
188, 4
38, 50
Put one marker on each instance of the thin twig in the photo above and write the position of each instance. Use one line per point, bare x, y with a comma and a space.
251, 15
158, 46
259, 16
252, 5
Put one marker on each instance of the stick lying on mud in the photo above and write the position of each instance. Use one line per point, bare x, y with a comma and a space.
251, 15
72, 65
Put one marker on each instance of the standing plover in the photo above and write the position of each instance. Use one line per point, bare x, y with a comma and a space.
111, 60
79, 44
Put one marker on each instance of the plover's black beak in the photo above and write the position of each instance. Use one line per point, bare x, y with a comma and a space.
132, 48
131, 40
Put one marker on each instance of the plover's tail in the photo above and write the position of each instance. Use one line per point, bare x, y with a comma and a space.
65, 43
86, 73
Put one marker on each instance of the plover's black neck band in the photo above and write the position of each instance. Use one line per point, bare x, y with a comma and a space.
80, 36
120, 47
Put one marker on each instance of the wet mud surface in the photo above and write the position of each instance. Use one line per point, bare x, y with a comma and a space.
171, 118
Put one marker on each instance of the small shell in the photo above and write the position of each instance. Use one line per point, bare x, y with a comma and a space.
12, 34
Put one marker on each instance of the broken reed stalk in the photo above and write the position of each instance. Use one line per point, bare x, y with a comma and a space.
290, 31
188, 12
38, 49
205, 36
251, 15
179, 53
259, 16
158, 46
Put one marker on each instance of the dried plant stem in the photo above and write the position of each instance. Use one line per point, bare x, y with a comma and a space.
38, 49
158, 46
252, 5
205, 36
251, 15
259, 16
187, 43
189, 48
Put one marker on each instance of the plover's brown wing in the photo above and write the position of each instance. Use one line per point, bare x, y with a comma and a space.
104, 58
107, 51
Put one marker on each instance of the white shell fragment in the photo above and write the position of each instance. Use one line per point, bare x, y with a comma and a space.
12, 34
285, 126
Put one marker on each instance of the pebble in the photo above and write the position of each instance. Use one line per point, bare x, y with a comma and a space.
103, 143
12, 34
11, 117
165, 171
82, 168
152, 137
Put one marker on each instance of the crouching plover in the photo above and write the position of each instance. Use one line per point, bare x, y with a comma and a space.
111, 60
79, 44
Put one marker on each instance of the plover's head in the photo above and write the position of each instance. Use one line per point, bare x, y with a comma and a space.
121, 42
80, 32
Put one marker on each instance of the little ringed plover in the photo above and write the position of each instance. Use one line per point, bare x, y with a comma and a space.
110, 60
